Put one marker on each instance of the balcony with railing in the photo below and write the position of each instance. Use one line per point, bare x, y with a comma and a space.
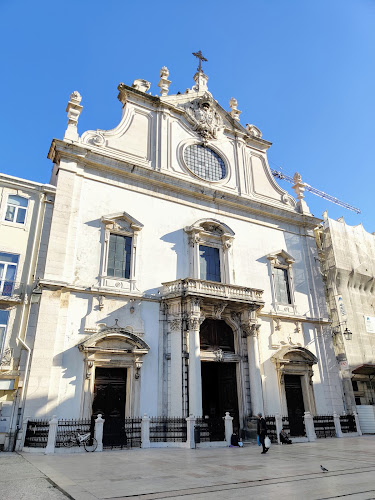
11, 291
211, 289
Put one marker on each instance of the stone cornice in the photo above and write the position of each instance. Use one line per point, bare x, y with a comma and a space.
87, 156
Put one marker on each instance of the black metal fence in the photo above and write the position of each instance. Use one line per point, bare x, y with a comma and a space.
211, 429
271, 428
168, 429
324, 426
285, 424
66, 429
36, 433
348, 423
119, 432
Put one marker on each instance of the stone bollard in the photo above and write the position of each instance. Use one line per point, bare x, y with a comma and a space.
357, 423
309, 426
145, 432
228, 420
190, 442
99, 423
279, 425
336, 419
52, 432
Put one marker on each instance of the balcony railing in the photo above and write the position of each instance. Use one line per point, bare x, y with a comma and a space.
11, 291
191, 286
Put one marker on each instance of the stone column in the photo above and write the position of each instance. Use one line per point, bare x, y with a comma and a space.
357, 423
256, 393
195, 378
145, 432
52, 432
190, 431
336, 419
309, 426
99, 422
175, 381
279, 425
228, 420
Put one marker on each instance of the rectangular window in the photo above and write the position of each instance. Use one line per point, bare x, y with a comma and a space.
16, 209
282, 289
8, 269
4, 315
119, 253
209, 258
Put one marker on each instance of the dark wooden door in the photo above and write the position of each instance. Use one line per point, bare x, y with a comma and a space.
109, 400
219, 390
294, 400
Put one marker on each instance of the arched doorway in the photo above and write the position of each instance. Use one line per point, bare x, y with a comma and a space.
219, 371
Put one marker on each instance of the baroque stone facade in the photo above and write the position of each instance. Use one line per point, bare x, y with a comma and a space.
176, 259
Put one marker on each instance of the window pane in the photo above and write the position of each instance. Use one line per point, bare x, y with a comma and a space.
19, 201
119, 253
9, 216
4, 317
8, 257
282, 286
21, 215
209, 263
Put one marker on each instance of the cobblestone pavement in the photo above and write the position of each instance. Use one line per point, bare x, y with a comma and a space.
286, 472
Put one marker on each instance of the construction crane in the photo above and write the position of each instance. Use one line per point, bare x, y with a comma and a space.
281, 175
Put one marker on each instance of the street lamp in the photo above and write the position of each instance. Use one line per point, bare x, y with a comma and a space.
348, 334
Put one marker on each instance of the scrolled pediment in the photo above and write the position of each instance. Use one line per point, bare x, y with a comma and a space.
115, 339
294, 354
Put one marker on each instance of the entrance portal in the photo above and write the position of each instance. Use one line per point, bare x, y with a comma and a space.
219, 391
109, 400
294, 400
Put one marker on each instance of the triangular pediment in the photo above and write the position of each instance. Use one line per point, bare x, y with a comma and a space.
282, 257
123, 220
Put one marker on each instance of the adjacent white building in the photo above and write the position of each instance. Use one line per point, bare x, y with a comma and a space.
22, 214
179, 277
348, 263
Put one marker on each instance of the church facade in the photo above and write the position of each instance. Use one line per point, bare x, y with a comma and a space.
179, 278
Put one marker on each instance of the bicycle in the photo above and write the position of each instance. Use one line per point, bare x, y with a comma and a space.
77, 439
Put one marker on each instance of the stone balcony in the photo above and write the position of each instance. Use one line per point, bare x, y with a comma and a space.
213, 290
11, 291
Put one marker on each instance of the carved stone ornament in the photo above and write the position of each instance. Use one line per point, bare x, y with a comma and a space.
219, 355
219, 309
253, 131
141, 85
193, 323
205, 119
6, 357
175, 324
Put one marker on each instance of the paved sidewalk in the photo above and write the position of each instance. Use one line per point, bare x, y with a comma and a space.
286, 472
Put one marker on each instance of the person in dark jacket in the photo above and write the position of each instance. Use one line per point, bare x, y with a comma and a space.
262, 431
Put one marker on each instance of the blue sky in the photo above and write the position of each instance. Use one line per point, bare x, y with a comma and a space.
302, 71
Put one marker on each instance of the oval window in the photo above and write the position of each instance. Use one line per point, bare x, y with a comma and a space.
204, 163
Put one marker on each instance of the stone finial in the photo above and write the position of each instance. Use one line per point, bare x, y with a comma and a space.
141, 85
299, 188
235, 113
164, 82
73, 109
200, 82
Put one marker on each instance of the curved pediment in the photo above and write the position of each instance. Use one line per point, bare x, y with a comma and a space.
115, 339
294, 354
212, 226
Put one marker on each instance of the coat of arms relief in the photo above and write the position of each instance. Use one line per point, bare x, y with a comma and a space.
205, 119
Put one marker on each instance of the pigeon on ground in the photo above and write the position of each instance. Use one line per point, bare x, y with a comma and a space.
324, 469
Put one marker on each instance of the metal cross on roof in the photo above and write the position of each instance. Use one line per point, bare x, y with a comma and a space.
201, 58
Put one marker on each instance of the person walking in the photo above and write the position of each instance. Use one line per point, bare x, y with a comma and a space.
262, 431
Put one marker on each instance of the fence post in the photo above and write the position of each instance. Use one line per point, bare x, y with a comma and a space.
145, 432
336, 419
228, 427
309, 426
356, 417
20, 443
99, 422
279, 425
52, 431
190, 431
